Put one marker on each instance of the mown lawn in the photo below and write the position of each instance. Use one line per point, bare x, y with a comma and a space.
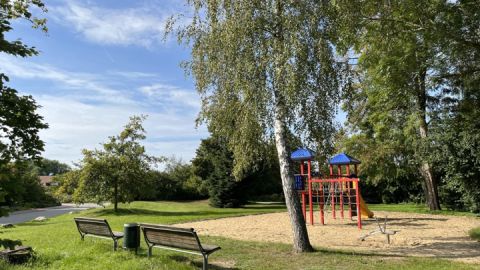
58, 246
416, 208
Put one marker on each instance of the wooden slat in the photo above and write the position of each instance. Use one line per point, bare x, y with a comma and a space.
185, 239
93, 226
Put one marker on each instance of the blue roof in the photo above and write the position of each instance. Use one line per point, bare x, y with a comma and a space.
343, 159
302, 154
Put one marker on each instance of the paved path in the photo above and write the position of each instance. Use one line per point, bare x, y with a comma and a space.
27, 215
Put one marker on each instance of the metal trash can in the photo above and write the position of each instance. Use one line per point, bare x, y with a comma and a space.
131, 236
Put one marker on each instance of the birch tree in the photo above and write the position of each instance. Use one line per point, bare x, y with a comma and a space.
263, 69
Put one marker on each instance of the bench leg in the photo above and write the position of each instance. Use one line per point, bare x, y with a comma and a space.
205, 262
115, 244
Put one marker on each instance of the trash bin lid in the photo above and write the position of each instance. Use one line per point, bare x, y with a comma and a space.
130, 225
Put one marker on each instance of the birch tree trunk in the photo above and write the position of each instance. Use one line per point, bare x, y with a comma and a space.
430, 183
301, 243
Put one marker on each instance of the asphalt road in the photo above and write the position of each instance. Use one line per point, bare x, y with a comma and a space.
27, 215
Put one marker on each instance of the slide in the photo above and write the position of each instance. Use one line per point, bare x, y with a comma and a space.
365, 212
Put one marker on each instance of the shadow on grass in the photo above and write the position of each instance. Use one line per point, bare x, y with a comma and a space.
148, 212
199, 264
356, 253
9, 244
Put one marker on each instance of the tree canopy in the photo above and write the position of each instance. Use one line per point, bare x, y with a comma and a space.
264, 69
19, 122
417, 67
117, 172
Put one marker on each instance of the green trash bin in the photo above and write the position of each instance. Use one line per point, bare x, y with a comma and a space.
131, 236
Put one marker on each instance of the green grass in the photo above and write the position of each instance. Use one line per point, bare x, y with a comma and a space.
58, 246
416, 208
475, 233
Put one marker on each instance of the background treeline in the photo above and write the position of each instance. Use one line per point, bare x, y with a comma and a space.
20, 184
121, 171
413, 101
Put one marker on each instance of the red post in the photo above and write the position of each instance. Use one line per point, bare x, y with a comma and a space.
331, 170
332, 192
341, 197
349, 199
304, 209
310, 200
359, 215
322, 203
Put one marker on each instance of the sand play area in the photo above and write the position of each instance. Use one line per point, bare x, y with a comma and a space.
419, 234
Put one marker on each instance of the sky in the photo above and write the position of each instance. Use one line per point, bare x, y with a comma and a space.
100, 63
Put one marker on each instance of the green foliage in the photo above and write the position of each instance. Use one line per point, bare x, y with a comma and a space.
250, 56
176, 182
475, 233
417, 67
20, 187
19, 122
214, 164
51, 167
67, 184
117, 172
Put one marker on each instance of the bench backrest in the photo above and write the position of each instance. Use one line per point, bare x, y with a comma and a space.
93, 226
171, 237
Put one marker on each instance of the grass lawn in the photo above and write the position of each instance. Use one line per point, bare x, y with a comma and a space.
416, 208
58, 246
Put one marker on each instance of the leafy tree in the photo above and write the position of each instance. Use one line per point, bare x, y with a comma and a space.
117, 172
418, 64
264, 68
21, 186
213, 163
51, 167
188, 185
67, 185
19, 123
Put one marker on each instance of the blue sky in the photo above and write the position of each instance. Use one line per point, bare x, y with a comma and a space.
101, 62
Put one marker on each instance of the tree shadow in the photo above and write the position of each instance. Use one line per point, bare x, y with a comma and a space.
199, 263
147, 212
356, 252
407, 222
9, 244
446, 248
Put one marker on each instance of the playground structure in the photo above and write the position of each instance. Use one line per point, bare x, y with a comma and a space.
339, 189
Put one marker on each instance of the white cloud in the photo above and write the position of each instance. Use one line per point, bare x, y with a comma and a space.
84, 85
75, 125
143, 26
171, 94
83, 109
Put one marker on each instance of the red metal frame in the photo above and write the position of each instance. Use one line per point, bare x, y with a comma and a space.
344, 184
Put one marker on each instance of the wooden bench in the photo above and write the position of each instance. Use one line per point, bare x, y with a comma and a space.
98, 228
177, 239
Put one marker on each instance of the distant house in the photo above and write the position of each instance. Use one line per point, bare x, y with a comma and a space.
47, 181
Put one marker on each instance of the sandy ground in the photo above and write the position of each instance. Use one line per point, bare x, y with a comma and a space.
419, 234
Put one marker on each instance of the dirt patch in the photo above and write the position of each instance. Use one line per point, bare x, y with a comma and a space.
419, 234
